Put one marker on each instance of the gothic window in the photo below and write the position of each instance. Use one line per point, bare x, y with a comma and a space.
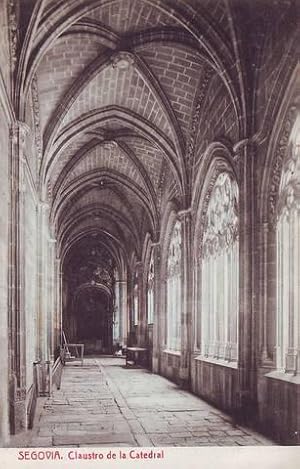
220, 272
174, 290
150, 290
288, 264
135, 301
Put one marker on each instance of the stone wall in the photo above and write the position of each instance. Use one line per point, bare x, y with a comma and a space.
279, 406
7, 23
216, 383
30, 278
4, 220
170, 366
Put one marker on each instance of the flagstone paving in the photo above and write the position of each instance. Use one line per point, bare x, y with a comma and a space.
105, 404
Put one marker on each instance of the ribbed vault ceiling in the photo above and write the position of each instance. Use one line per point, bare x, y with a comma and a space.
118, 83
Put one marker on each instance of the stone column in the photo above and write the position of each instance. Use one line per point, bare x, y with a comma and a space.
16, 307
157, 337
266, 233
119, 312
51, 298
186, 315
116, 313
43, 259
245, 157
142, 319
57, 304
123, 311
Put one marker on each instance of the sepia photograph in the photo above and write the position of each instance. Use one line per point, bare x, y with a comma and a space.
150, 228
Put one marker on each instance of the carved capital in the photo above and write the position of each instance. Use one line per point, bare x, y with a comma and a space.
185, 215
20, 394
139, 267
43, 207
156, 250
18, 133
239, 148
156, 244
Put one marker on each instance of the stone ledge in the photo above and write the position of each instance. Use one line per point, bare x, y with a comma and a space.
286, 377
172, 352
216, 361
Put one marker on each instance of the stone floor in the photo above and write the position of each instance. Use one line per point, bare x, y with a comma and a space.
102, 403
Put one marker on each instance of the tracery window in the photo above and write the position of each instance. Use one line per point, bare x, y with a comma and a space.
288, 264
173, 339
150, 291
135, 300
220, 272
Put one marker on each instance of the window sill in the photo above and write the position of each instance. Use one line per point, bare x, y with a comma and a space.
172, 352
286, 377
216, 361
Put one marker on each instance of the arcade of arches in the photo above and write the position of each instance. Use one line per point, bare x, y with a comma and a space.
150, 196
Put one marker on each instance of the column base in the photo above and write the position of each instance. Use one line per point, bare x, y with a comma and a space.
184, 371
18, 411
155, 364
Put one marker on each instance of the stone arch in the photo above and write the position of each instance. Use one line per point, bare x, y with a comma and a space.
146, 254
167, 225
278, 149
218, 159
278, 146
218, 167
171, 219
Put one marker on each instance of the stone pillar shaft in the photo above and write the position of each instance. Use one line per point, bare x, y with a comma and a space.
186, 315
16, 307
157, 338
248, 302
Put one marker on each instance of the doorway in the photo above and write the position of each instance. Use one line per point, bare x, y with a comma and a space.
94, 320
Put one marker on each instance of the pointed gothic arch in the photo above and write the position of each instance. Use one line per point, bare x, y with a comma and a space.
217, 266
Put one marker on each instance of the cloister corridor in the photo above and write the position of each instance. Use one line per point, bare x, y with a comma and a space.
150, 207
103, 403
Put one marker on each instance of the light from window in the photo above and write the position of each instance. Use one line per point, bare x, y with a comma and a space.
173, 338
150, 291
135, 301
288, 265
220, 272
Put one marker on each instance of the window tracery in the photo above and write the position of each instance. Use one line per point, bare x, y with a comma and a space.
173, 338
135, 300
150, 290
219, 272
288, 263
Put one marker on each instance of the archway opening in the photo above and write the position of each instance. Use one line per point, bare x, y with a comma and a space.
94, 320
88, 295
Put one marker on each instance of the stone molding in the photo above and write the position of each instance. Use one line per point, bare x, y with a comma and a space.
201, 94
280, 154
12, 32
36, 117
205, 207
221, 227
18, 133
174, 257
